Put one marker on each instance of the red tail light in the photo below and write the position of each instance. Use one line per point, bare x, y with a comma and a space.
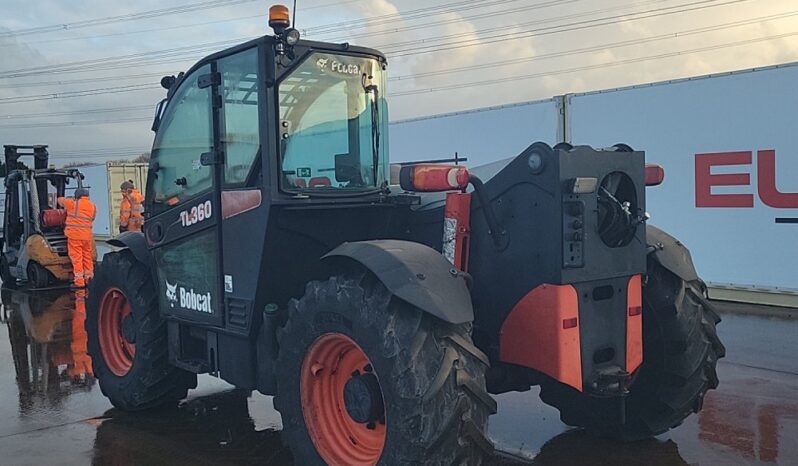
430, 178
654, 174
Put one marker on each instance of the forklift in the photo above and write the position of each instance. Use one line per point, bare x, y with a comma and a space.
33, 247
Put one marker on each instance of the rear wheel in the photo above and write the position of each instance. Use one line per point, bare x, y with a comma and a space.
38, 276
128, 338
366, 379
680, 354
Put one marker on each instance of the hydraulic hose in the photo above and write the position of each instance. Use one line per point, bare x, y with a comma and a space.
495, 230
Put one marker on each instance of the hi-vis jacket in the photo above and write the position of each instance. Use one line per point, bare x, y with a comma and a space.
80, 217
131, 211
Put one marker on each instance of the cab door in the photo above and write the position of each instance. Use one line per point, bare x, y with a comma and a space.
183, 229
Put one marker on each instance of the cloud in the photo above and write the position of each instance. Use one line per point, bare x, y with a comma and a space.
422, 24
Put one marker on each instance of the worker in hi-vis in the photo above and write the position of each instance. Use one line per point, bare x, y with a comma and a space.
81, 213
131, 209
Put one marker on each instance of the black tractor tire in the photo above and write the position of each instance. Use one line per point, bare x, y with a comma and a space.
5, 273
147, 380
38, 276
431, 376
681, 349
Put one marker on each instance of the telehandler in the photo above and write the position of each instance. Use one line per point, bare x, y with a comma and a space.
278, 255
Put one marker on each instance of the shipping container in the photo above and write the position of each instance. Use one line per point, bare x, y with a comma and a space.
103, 182
728, 143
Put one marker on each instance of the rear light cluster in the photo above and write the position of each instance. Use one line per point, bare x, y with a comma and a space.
432, 178
654, 174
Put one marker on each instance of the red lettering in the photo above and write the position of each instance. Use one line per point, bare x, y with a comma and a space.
705, 180
766, 182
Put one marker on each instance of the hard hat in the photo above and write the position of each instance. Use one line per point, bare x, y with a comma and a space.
81, 192
126, 185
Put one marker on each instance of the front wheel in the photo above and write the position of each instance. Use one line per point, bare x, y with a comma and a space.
128, 338
366, 379
38, 276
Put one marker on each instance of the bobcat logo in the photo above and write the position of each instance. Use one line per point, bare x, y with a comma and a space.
171, 293
322, 63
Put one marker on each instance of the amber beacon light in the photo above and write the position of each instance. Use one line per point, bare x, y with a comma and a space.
279, 19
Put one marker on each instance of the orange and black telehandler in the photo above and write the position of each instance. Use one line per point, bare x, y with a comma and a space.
279, 255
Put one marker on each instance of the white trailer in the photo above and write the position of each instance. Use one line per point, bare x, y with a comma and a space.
103, 182
729, 146
482, 136
728, 143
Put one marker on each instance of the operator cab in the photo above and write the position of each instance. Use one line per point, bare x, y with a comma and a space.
245, 140
305, 119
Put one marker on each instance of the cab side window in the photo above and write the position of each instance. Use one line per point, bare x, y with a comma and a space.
185, 133
240, 125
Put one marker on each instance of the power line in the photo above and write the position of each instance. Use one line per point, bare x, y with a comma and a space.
66, 82
74, 123
158, 56
181, 26
606, 46
97, 150
127, 17
78, 112
86, 65
82, 65
418, 13
590, 67
493, 64
504, 12
72, 94
570, 27
530, 76
482, 16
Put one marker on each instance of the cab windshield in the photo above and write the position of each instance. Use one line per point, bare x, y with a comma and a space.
333, 125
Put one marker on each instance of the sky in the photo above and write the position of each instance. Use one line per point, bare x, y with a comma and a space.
82, 76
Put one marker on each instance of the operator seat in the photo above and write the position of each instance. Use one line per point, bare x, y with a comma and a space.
317, 181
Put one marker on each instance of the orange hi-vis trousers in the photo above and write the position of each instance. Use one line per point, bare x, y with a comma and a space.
82, 360
81, 255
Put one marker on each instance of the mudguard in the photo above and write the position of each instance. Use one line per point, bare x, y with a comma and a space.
416, 274
670, 253
135, 242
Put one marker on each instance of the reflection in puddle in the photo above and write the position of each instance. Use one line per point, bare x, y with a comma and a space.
48, 345
749, 427
575, 447
217, 428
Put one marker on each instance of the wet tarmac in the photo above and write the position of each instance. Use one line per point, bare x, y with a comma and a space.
52, 411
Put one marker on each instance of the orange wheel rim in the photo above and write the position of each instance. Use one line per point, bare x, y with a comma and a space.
342, 402
116, 349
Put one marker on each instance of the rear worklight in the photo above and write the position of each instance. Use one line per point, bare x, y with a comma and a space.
654, 174
430, 178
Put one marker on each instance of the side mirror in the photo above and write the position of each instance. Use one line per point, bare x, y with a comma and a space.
168, 81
